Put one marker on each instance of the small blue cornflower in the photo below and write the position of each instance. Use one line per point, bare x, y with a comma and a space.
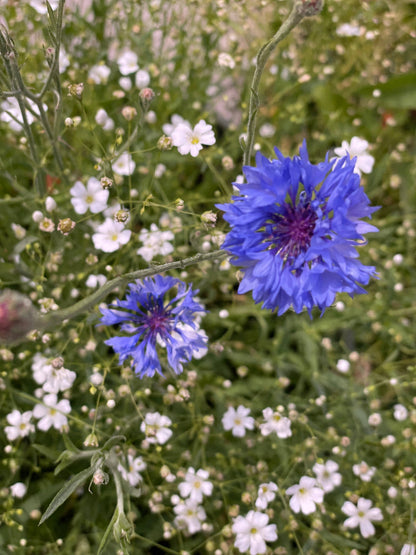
158, 313
294, 230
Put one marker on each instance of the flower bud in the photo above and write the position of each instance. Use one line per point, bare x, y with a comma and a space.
91, 441
310, 7
100, 477
129, 112
209, 217
57, 363
106, 182
17, 316
66, 225
121, 216
76, 90
147, 94
164, 143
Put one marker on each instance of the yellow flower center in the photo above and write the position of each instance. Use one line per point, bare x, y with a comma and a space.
194, 140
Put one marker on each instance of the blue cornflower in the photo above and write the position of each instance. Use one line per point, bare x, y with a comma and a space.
154, 318
294, 230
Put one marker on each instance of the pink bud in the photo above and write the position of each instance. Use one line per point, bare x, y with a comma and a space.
17, 316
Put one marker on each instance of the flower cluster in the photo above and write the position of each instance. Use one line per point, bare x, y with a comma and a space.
295, 229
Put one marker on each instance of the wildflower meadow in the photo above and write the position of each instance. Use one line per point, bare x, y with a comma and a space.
207, 277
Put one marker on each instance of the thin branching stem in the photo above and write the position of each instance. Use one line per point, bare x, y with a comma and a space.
55, 318
295, 16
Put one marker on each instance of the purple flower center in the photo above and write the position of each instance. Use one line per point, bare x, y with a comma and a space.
292, 229
157, 321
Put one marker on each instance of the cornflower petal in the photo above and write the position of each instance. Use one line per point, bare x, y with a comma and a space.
295, 227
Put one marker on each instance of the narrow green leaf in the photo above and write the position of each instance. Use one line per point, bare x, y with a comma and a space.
66, 491
51, 15
46, 451
113, 441
69, 445
65, 459
108, 531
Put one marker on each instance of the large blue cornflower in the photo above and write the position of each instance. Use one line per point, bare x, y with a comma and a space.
294, 230
154, 318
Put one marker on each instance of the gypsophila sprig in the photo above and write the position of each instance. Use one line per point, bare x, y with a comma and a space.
152, 322
294, 230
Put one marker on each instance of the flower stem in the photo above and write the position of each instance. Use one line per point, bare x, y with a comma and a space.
55, 318
296, 15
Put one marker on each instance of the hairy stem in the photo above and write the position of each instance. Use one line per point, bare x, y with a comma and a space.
299, 11
55, 318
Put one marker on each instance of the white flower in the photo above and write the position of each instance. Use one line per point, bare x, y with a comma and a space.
125, 83
155, 426
195, 485
110, 236
238, 421
267, 130
364, 471
348, 30
408, 549
50, 204
124, 165
343, 365
357, 148
226, 60
99, 74
63, 60
159, 170
275, 422
305, 495
59, 380
127, 62
175, 120
142, 79
52, 412
52, 379
327, 476
190, 516
40, 5
400, 412
361, 515
265, 494
375, 419
95, 280
132, 473
104, 120
18, 489
253, 531
11, 113
190, 141
20, 425
155, 242
92, 197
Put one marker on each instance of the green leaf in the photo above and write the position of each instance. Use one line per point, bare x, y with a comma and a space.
51, 15
399, 92
113, 441
107, 532
66, 491
69, 445
64, 459
46, 451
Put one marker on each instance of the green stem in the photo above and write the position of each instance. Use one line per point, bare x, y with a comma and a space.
295, 16
55, 318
